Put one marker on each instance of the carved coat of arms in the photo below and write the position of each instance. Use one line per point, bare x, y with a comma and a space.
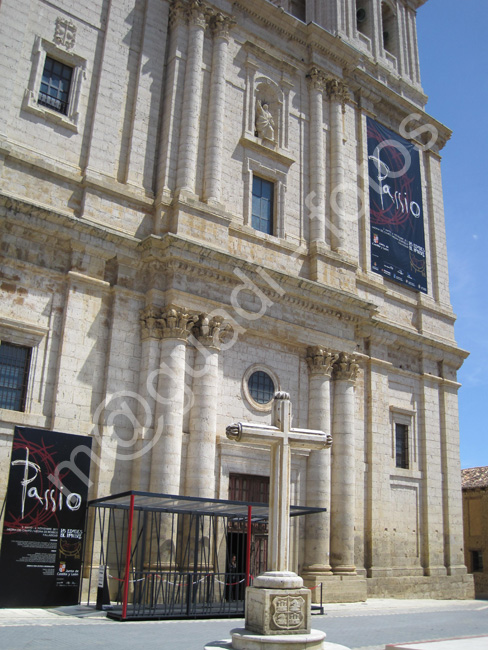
289, 612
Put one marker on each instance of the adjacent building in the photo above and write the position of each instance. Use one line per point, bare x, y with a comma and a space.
475, 509
204, 202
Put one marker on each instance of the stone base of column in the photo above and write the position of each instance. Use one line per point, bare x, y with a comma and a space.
243, 640
344, 570
439, 570
457, 570
340, 589
314, 577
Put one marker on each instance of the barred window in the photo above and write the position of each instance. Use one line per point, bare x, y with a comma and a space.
401, 445
55, 85
14, 373
261, 387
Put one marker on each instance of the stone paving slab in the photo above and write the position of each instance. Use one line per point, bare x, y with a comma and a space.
466, 643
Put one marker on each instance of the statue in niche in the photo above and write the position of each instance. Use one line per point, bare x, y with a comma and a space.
264, 121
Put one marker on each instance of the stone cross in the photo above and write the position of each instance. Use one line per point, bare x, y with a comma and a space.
281, 439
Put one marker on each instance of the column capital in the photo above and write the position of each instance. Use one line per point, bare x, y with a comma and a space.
337, 91
176, 323
210, 332
320, 361
317, 79
346, 367
177, 11
220, 25
149, 323
199, 13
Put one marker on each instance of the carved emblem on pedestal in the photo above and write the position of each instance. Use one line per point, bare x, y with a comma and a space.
289, 612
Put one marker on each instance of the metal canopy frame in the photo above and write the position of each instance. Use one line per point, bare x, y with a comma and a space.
152, 502
190, 584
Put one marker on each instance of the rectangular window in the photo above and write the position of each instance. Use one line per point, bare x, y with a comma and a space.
262, 205
55, 85
297, 9
14, 373
246, 487
401, 445
477, 560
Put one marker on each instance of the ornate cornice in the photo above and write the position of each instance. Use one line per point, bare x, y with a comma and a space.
346, 367
320, 361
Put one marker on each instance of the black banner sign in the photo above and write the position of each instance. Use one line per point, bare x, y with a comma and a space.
396, 212
42, 542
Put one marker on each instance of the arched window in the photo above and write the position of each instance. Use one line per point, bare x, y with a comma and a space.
388, 22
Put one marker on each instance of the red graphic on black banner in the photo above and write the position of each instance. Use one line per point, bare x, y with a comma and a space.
42, 542
396, 211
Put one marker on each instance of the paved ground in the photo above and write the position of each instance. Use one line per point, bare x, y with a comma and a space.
359, 626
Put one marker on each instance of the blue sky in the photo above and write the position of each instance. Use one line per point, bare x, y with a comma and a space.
453, 45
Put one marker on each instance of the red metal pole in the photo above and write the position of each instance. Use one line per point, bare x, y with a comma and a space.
127, 558
248, 550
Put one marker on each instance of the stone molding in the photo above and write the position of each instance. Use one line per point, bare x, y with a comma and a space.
321, 361
346, 367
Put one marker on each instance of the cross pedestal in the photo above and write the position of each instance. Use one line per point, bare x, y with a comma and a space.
278, 607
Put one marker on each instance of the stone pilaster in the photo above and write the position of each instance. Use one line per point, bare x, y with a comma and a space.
343, 467
175, 326
338, 95
320, 363
200, 466
316, 208
220, 26
168, 147
192, 95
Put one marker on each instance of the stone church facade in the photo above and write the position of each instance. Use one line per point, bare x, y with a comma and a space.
185, 228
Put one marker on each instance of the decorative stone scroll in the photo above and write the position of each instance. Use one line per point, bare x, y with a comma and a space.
346, 367
321, 360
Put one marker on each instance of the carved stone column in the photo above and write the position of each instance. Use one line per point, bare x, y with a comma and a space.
200, 466
342, 514
338, 96
320, 363
220, 26
150, 335
316, 205
192, 95
175, 326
